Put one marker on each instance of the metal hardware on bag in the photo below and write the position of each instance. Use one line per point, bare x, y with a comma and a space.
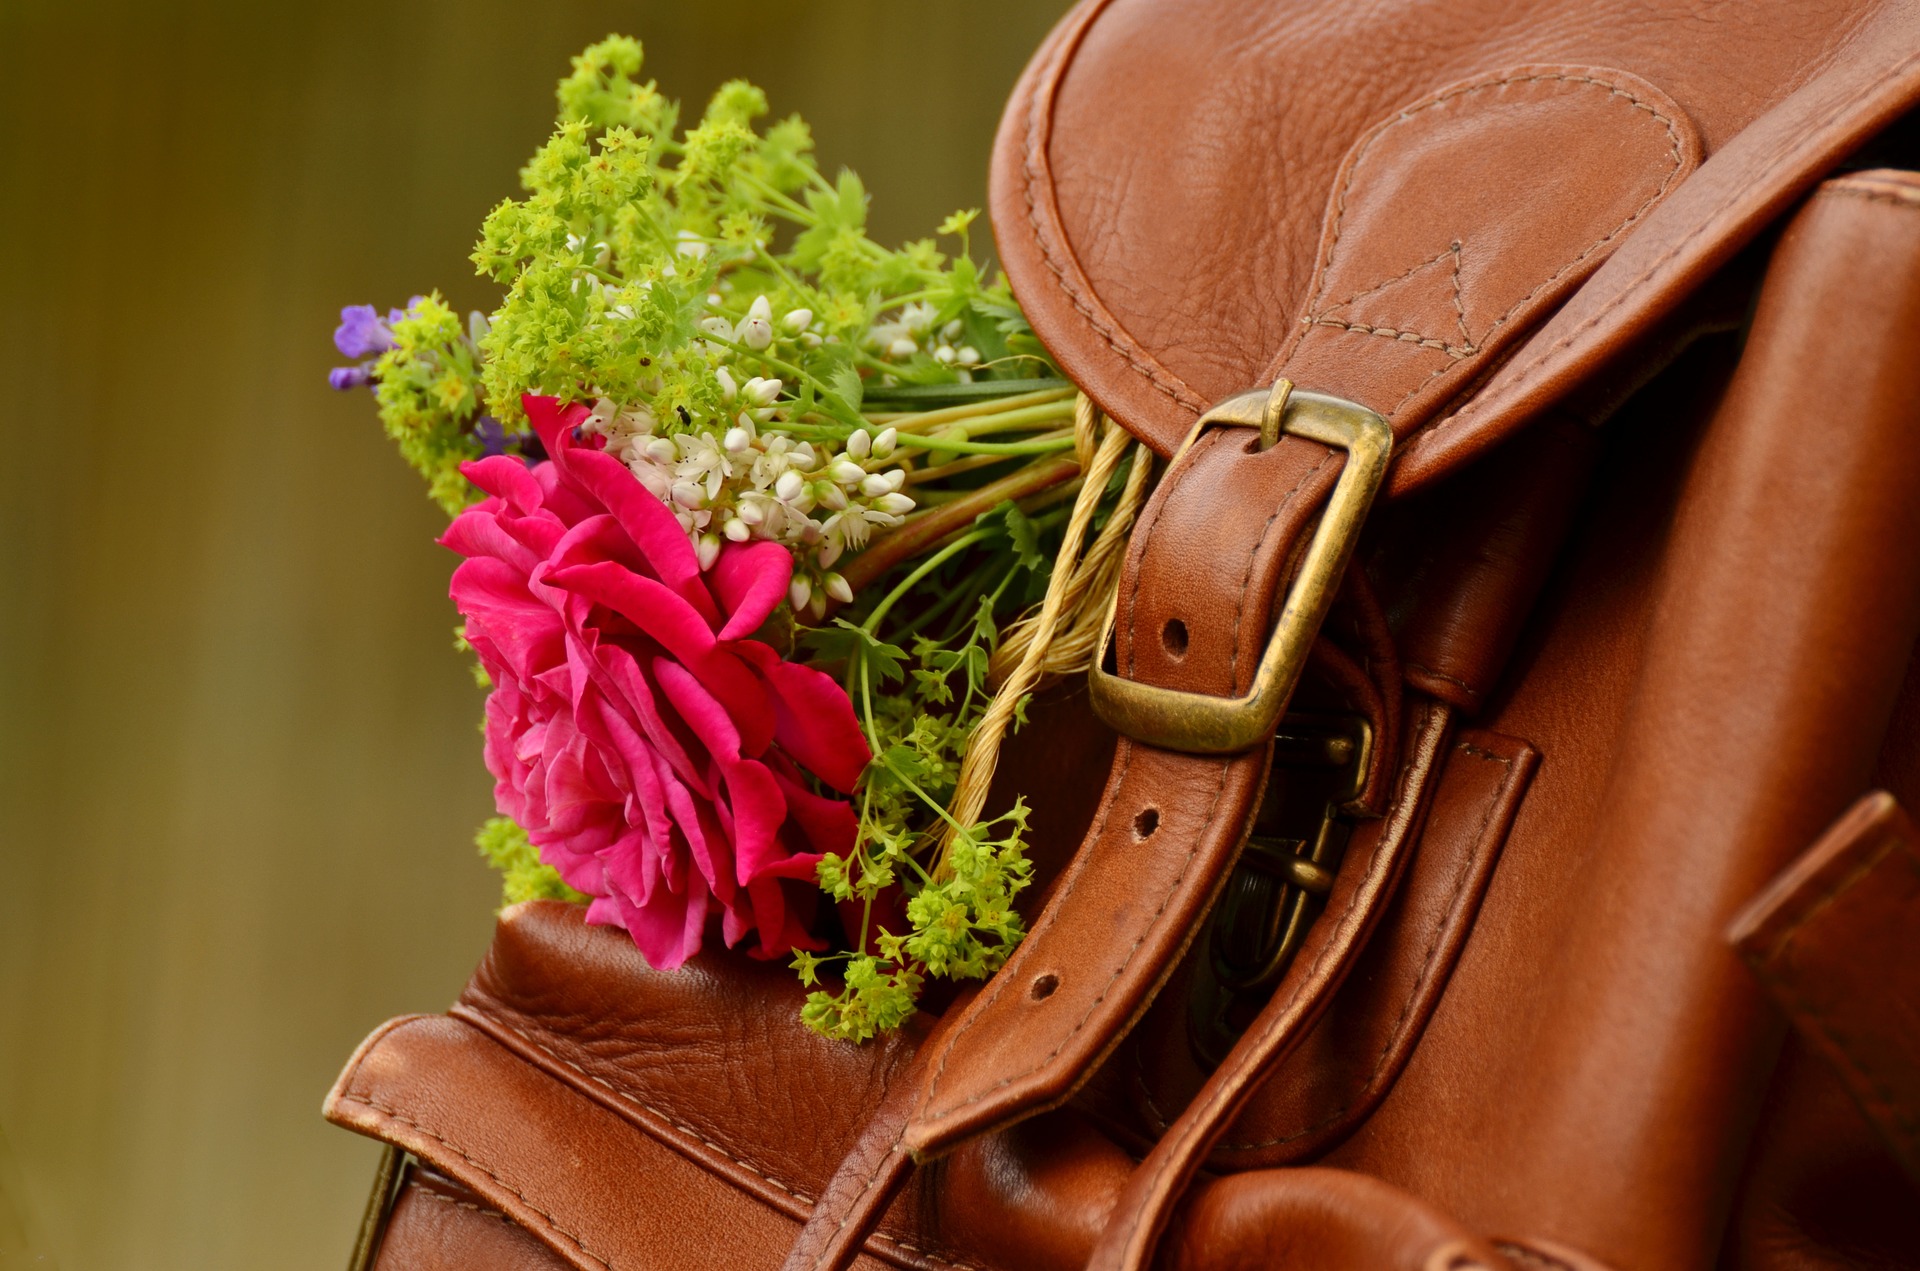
1281, 881
1200, 723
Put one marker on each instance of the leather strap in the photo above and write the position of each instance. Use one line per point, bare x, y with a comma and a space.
1145, 1207
1835, 941
1408, 250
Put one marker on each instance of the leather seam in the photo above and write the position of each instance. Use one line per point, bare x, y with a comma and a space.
436, 1136
1413, 993
1225, 769
1424, 669
873, 1181
429, 1194
1136, 358
1532, 1257
1627, 291
1673, 140
1902, 1119
939, 1259
1146, 1214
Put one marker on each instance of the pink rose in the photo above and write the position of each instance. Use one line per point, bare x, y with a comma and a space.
656, 754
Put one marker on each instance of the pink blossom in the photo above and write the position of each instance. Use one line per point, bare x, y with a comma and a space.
658, 755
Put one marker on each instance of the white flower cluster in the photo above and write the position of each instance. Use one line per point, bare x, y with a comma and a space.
748, 484
910, 330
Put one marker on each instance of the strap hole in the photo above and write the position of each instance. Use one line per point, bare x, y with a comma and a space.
1174, 637
1044, 985
1146, 823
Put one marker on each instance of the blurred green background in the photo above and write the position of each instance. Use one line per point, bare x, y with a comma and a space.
239, 773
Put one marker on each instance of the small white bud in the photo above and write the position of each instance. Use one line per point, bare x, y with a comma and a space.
804, 456
817, 607
894, 504
761, 391
797, 320
944, 355
902, 347
691, 245
894, 478
969, 356
728, 389
760, 308
837, 588
884, 443
830, 496
799, 591
752, 514
756, 333
788, 487
688, 494
736, 529
951, 331
707, 550
829, 552
859, 445
846, 473
738, 440
718, 327
874, 485
809, 340
661, 450
714, 300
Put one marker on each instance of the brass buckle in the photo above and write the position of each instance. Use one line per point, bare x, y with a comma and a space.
1200, 723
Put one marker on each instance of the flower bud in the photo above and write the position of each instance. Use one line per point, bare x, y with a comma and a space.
829, 495
752, 514
894, 504
688, 494
761, 391
728, 389
715, 325
736, 530
968, 356
707, 550
951, 331
902, 347
884, 443
738, 440
944, 354
796, 321
756, 333
859, 445
661, 450
875, 484
789, 486
799, 591
837, 588
691, 245
829, 552
846, 472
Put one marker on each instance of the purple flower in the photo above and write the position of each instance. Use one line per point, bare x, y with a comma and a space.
345, 377
361, 332
491, 434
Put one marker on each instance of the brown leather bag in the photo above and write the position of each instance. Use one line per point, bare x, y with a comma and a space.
1633, 291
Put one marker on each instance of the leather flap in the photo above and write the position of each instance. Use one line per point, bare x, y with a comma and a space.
1185, 194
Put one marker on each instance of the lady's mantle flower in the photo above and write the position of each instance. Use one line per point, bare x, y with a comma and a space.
658, 756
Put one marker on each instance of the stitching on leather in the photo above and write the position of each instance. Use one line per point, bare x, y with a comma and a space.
1428, 263
1464, 348
441, 1139
1428, 958
429, 1194
1903, 1118
1911, 202
873, 1181
1673, 138
1808, 137
1137, 359
687, 1130
1146, 1216
1388, 333
1225, 767
1470, 690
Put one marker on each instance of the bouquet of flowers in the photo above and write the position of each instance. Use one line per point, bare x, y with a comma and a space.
768, 533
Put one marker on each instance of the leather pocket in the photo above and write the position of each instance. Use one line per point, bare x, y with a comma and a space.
1349, 1060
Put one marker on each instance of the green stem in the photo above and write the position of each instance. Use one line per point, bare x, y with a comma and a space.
920, 421
1045, 444
925, 567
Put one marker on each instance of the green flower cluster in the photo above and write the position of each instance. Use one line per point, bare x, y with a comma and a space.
428, 388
